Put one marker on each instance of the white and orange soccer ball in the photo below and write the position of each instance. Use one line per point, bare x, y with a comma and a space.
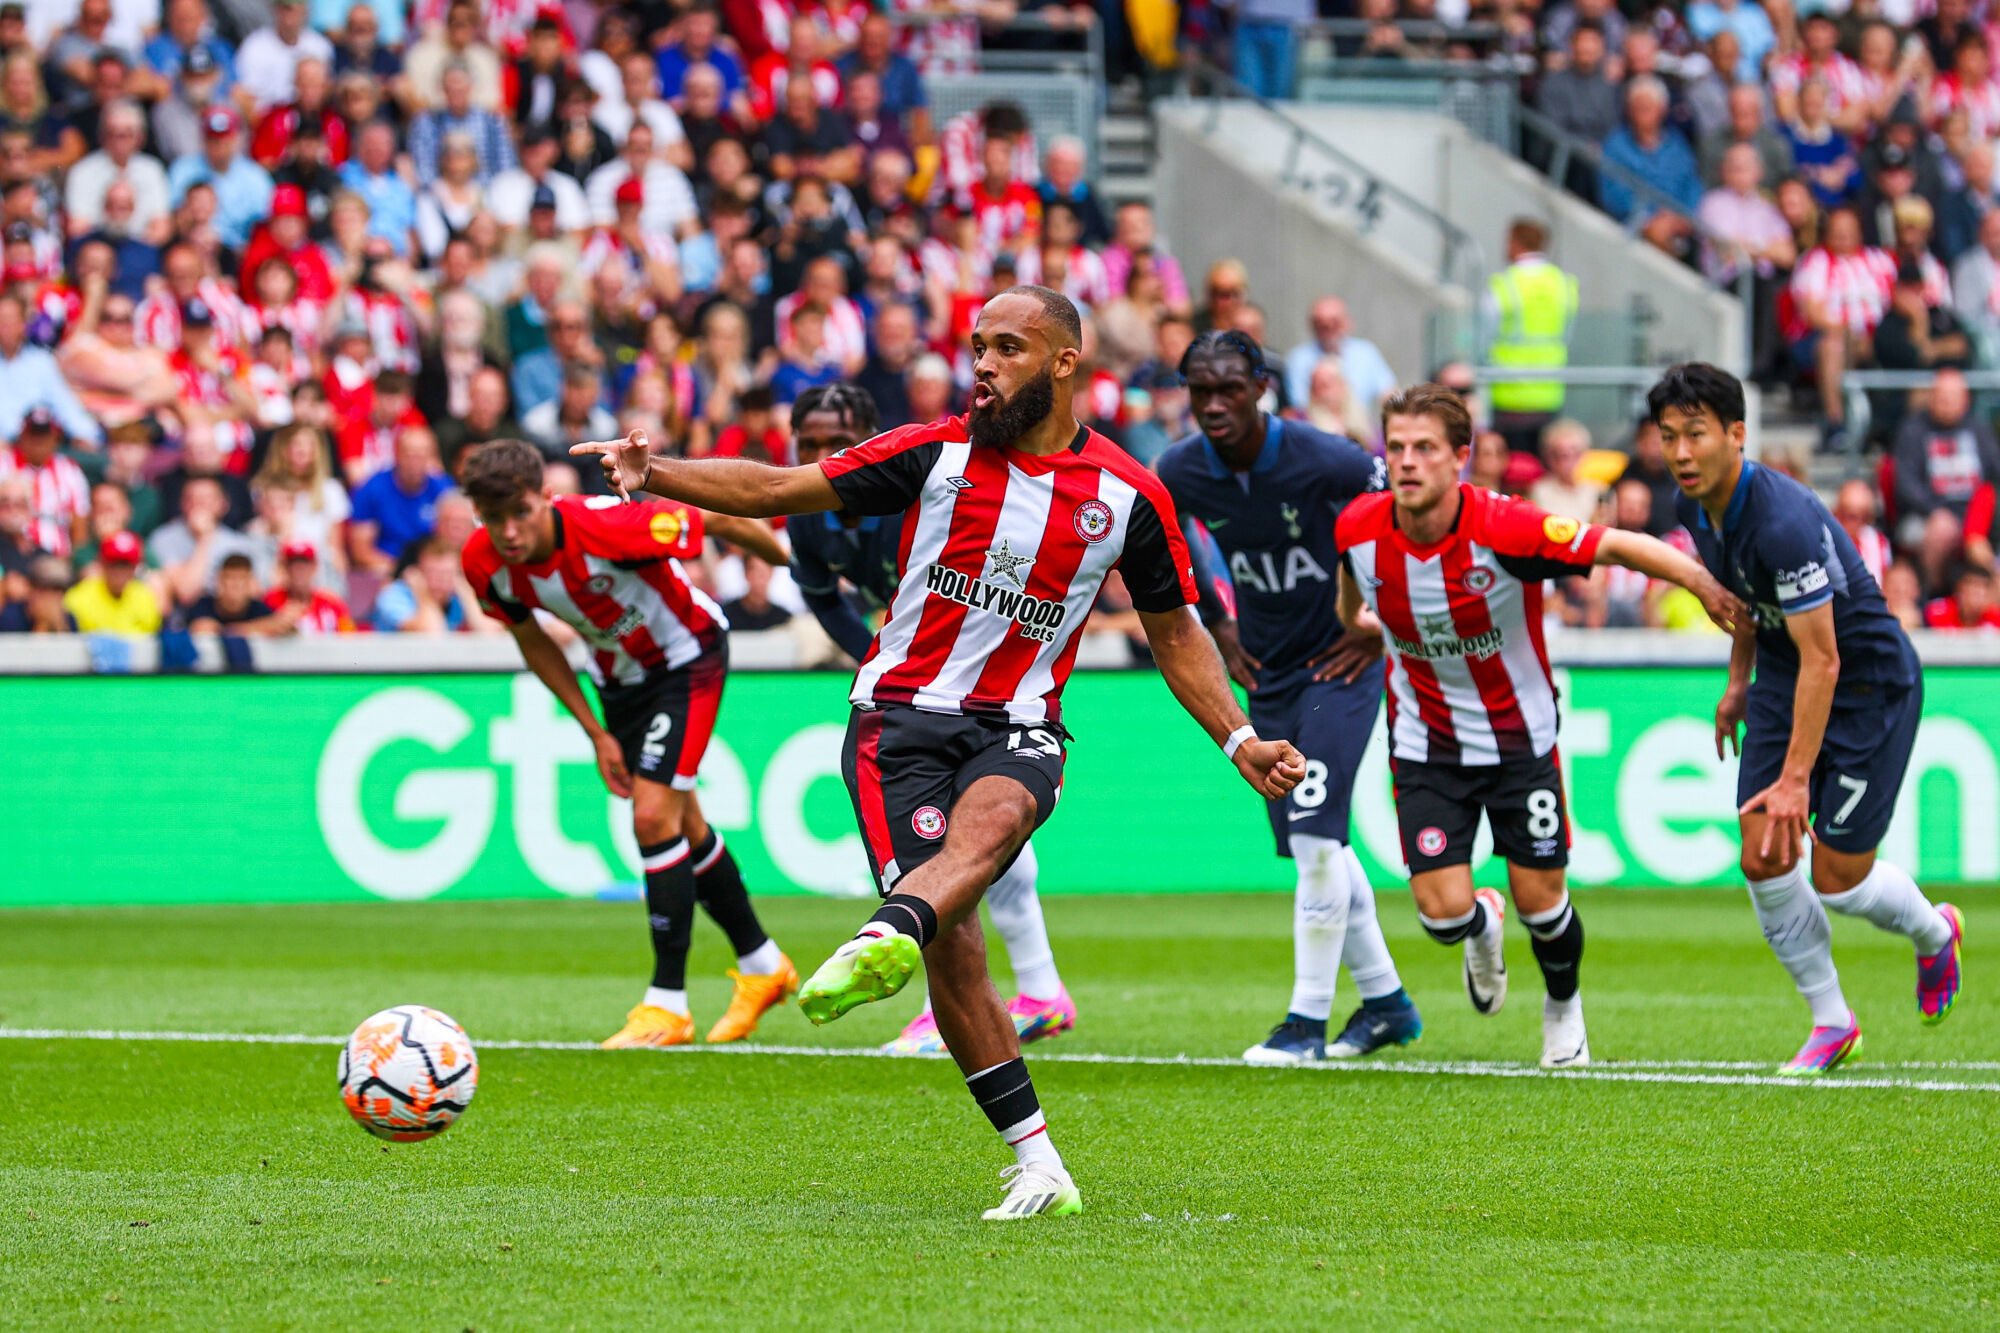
407, 1073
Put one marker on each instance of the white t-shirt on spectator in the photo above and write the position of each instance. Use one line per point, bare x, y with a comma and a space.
512, 192
92, 178
669, 197
131, 21
266, 66
615, 119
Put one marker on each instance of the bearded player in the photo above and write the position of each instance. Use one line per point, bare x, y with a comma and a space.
1454, 574
1013, 515
1829, 720
660, 650
1268, 492
828, 549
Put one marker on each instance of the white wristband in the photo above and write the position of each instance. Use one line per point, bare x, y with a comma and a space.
1246, 732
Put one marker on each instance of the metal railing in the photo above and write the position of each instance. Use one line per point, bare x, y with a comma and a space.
1461, 261
1856, 385
1631, 381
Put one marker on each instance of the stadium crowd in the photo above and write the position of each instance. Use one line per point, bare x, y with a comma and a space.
273, 273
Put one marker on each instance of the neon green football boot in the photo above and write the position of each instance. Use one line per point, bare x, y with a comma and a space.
865, 969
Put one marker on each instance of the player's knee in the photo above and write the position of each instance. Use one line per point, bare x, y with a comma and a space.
1757, 866
1831, 876
656, 824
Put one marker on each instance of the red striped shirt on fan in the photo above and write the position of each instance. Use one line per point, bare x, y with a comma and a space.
616, 578
59, 493
1003, 555
1469, 678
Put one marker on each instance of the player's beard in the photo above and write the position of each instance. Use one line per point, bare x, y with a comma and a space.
1008, 419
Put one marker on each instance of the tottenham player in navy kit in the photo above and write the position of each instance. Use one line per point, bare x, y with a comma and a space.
864, 551
1829, 720
1268, 491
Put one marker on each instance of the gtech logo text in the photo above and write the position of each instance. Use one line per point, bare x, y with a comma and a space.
443, 814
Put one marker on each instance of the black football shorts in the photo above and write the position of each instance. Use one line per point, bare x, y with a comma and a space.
1438, 808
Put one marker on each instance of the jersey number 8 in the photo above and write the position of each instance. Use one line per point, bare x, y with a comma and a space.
1544, 813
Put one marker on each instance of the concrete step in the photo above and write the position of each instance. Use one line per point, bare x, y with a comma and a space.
1120, 189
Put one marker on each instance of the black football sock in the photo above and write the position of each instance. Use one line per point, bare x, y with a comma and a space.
903, 914
1007, 1095
1557, 939
669, 909
718, 886
1456, 929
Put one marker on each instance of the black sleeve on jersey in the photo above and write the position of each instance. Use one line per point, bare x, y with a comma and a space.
1207, 586
517, 613
1148, 561
1533, 569
888, 485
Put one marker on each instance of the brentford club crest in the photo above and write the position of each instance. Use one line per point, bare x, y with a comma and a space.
1093, 521
599, 584
928, 822
1479, 580
1431, 841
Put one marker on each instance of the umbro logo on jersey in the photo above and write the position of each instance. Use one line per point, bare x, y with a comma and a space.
958, 483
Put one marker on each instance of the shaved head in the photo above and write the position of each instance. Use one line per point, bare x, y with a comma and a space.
1059, 310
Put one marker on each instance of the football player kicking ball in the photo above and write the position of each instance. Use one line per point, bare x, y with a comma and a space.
1012, 517
1454, 574
1268, 491
1831, 716
660, 650
827, 548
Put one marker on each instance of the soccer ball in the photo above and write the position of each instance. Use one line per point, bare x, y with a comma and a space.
407, 1073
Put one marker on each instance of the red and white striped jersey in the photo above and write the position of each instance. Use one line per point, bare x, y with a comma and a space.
1846, 83
1980, 100
1854, 288
60, 493
1468, 679
1002, 556
616, 578
157, 319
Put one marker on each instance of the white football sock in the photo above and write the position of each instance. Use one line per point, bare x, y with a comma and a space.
1319, 924
761, 961
673, 1001
1887, 897
1017, 914
1364, 951
1795, 927
1031, 1142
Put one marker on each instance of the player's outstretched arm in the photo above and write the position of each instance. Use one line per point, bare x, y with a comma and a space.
720, 485
1651, 556
1193, 671
546, 660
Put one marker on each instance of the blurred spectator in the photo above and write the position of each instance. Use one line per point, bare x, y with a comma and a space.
1362, 364
699, 29
513, 191
188, 551
1855, 509
757, 433
120, 161
390, 204
1579, 95
667, 205
267, 60
573, 415
486, 134
1965, 209
1818, 60
242, 188
299, 461
1746, 230
1840, 293
397, 507
1133, 237
59, 493
1529, 316
235, 606
17, 536
1748, 126
1621, 598
1975, 286
1825, 157
931, 388
297, 601
1654, 151
458, 42
42, 610
187, 30
1916, 335
485, 419
538, 374
29, 377
1648, 465
1487, 467
1903, 590
902, 86
755, 610
1942, 456
894, 349
1331, 404
1224, 293
1970, 605
1891, 188
425, 599
1064, 180
176, 119
367, 441
115, 600
1747, 22
1562, 489
1267, 44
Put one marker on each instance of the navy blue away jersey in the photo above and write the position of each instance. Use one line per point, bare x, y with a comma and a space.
1274, 525
1781, 551
826, 550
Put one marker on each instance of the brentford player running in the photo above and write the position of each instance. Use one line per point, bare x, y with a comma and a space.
1831, 714
864, 551
1454, 574
1268, 491
661, 648
1012, 517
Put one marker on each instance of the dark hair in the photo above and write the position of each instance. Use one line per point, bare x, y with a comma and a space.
756, 398
1528, 234
1056, 306
236, 560
850, 402
1693, 385
1445, 405
501, 472
1226, 342
1003, 120
395, 381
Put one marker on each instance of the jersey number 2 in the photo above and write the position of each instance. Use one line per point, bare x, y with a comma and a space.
656, 736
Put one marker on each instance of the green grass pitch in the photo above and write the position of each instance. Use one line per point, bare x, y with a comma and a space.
172, 1183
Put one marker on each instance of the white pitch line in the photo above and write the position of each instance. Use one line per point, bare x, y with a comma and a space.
1713, 1073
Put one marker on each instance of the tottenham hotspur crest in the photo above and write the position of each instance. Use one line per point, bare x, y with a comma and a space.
1290, 513
1008, 566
